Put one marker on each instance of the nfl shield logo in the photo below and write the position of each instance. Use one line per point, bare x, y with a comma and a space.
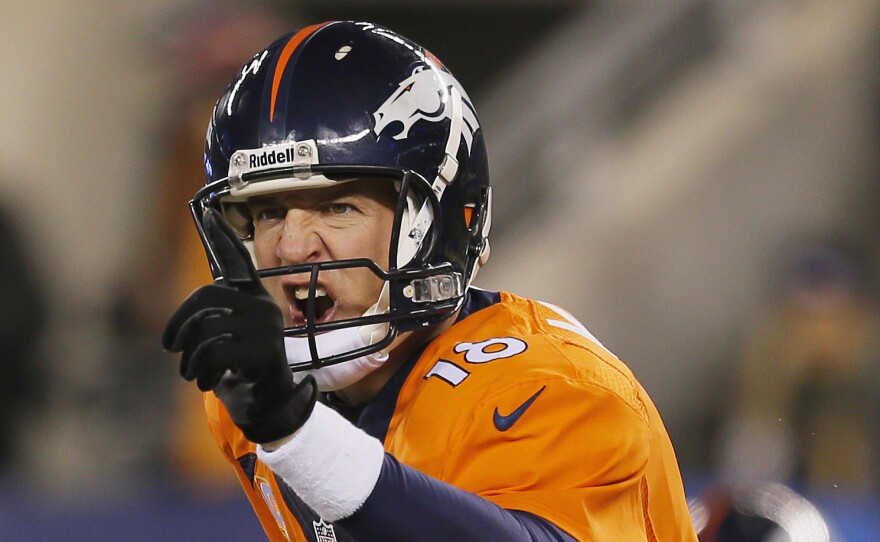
324, 531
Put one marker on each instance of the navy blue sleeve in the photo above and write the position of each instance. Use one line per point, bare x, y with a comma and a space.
409, 505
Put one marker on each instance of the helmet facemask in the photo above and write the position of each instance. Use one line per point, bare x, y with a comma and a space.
412, 294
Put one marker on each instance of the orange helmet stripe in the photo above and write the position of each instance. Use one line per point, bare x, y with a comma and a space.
284, 57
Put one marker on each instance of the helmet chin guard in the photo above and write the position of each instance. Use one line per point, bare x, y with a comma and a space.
339, 375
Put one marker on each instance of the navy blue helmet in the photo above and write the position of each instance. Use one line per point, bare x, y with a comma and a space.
342, 101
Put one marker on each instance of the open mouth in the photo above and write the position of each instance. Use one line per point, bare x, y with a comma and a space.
298, 298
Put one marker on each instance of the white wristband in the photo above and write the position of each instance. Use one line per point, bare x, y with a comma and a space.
329, 463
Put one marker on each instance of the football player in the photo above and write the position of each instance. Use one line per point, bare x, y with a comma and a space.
359, 386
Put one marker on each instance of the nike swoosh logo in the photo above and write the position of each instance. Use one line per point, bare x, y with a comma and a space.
503, 423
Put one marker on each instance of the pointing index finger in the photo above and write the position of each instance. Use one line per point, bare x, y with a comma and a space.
232, 256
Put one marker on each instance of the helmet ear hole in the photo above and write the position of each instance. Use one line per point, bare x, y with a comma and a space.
478, 212
469, 214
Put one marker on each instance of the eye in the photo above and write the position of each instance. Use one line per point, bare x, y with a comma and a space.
340, 208
268, 212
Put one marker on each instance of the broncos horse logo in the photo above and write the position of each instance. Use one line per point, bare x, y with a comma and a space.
416, 98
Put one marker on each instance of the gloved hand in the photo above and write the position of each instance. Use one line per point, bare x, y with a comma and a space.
232, 341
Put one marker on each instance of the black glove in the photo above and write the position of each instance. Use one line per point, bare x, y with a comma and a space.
232, 341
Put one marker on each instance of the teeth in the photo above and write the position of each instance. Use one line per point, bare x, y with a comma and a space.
302, 292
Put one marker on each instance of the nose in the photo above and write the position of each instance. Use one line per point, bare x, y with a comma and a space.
300, 239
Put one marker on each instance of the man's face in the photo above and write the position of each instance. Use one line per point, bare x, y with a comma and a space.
349, 220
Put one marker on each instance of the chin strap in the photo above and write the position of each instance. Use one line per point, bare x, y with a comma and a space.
340, 375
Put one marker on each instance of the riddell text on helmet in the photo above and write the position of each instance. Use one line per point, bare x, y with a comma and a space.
272, 157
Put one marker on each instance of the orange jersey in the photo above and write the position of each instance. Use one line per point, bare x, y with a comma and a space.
516, 403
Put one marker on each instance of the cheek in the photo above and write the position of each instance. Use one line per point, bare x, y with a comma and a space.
360, 289
273, 286
370, 241
380, 252
276, 292
263, 249
381, 241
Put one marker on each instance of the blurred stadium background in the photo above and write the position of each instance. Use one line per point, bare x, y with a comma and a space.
697, 181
